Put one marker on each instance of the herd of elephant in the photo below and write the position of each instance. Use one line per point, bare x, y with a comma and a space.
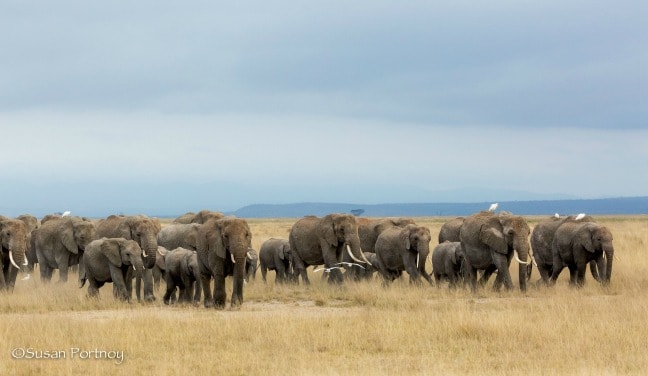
199, 247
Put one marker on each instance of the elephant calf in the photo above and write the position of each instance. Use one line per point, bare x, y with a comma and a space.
182, 272
447, 259
109, 260
406, 248
275, 254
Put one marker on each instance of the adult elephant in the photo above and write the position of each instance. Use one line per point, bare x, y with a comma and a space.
182, 273
317, 241
490, 241
447, 260
178, 235
31, 223
200, 217
144, 231
369, 229
13, 241
450, 230
111, 260
60, 243
275, 254
403, 249
542, 240
223, 245
575, 245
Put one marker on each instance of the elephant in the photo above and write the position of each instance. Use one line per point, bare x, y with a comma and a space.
327, 241
60, 243
275, 254
251, 265
450, 230
13, 244
200, 217
178, 235
32, 224
369, 229
541, 243
403, 249
112, 260
222, 246
447, 261
144, 231
490, 241
159, 269
575, 244
182, 273
366, 272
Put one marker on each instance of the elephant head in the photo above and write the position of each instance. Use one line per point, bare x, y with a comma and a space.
144, 231
13, 235
596, 238
251, 264
122, 252
341, 232
417, 239
506, 233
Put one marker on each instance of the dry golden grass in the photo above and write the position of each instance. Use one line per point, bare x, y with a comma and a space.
359, 328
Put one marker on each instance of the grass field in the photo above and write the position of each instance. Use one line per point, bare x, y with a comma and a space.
358, 328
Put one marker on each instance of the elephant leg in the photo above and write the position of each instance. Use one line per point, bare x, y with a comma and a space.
93, 288
545, 272
45, 273
119, 285
170, 289
331, 261
10, 280
147, 276
219, 283
300, 269
205, 280
197, 292
502, 264
573, 271
138, 288
263, 273
62, 260
580, 274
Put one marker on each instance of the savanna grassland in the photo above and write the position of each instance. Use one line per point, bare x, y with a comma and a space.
359, 328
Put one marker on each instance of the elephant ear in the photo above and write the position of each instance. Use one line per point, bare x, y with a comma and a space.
67, 237
493, 238
453, 256
584, 238
112, 250
192, 237
405, 237
327, 230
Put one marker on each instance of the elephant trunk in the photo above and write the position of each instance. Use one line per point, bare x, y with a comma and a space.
17, 251
522, 248
149, 250
609, 255
239, 277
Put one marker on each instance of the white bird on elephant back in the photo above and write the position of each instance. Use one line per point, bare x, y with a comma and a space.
493, 207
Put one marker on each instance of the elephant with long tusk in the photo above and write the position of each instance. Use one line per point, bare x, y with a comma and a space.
328, 240
13, 239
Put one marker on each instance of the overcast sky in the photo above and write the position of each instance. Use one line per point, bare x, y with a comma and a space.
147, 107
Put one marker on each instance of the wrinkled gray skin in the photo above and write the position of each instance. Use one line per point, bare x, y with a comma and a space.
13, 239
223, 245
112, 260
275, 254
200, 217
60, 244
447, 259
542, 241
403, 249
144, 231
159, 269
369, 229
31, 224
182, 273
450, 230
575, 244
251, 265
367, 271
317, 241
179, 236
488, 241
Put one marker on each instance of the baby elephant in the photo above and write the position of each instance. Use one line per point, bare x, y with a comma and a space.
275, 254
112, 260
182, 272
447, 258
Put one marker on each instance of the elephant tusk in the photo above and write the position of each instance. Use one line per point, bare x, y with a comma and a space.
365, 259
418, 260
25, 263
520, 261
232, 255
348, 248
12, 260
144, 254
134, 268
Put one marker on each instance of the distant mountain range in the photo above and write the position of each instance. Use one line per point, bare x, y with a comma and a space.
621, 205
